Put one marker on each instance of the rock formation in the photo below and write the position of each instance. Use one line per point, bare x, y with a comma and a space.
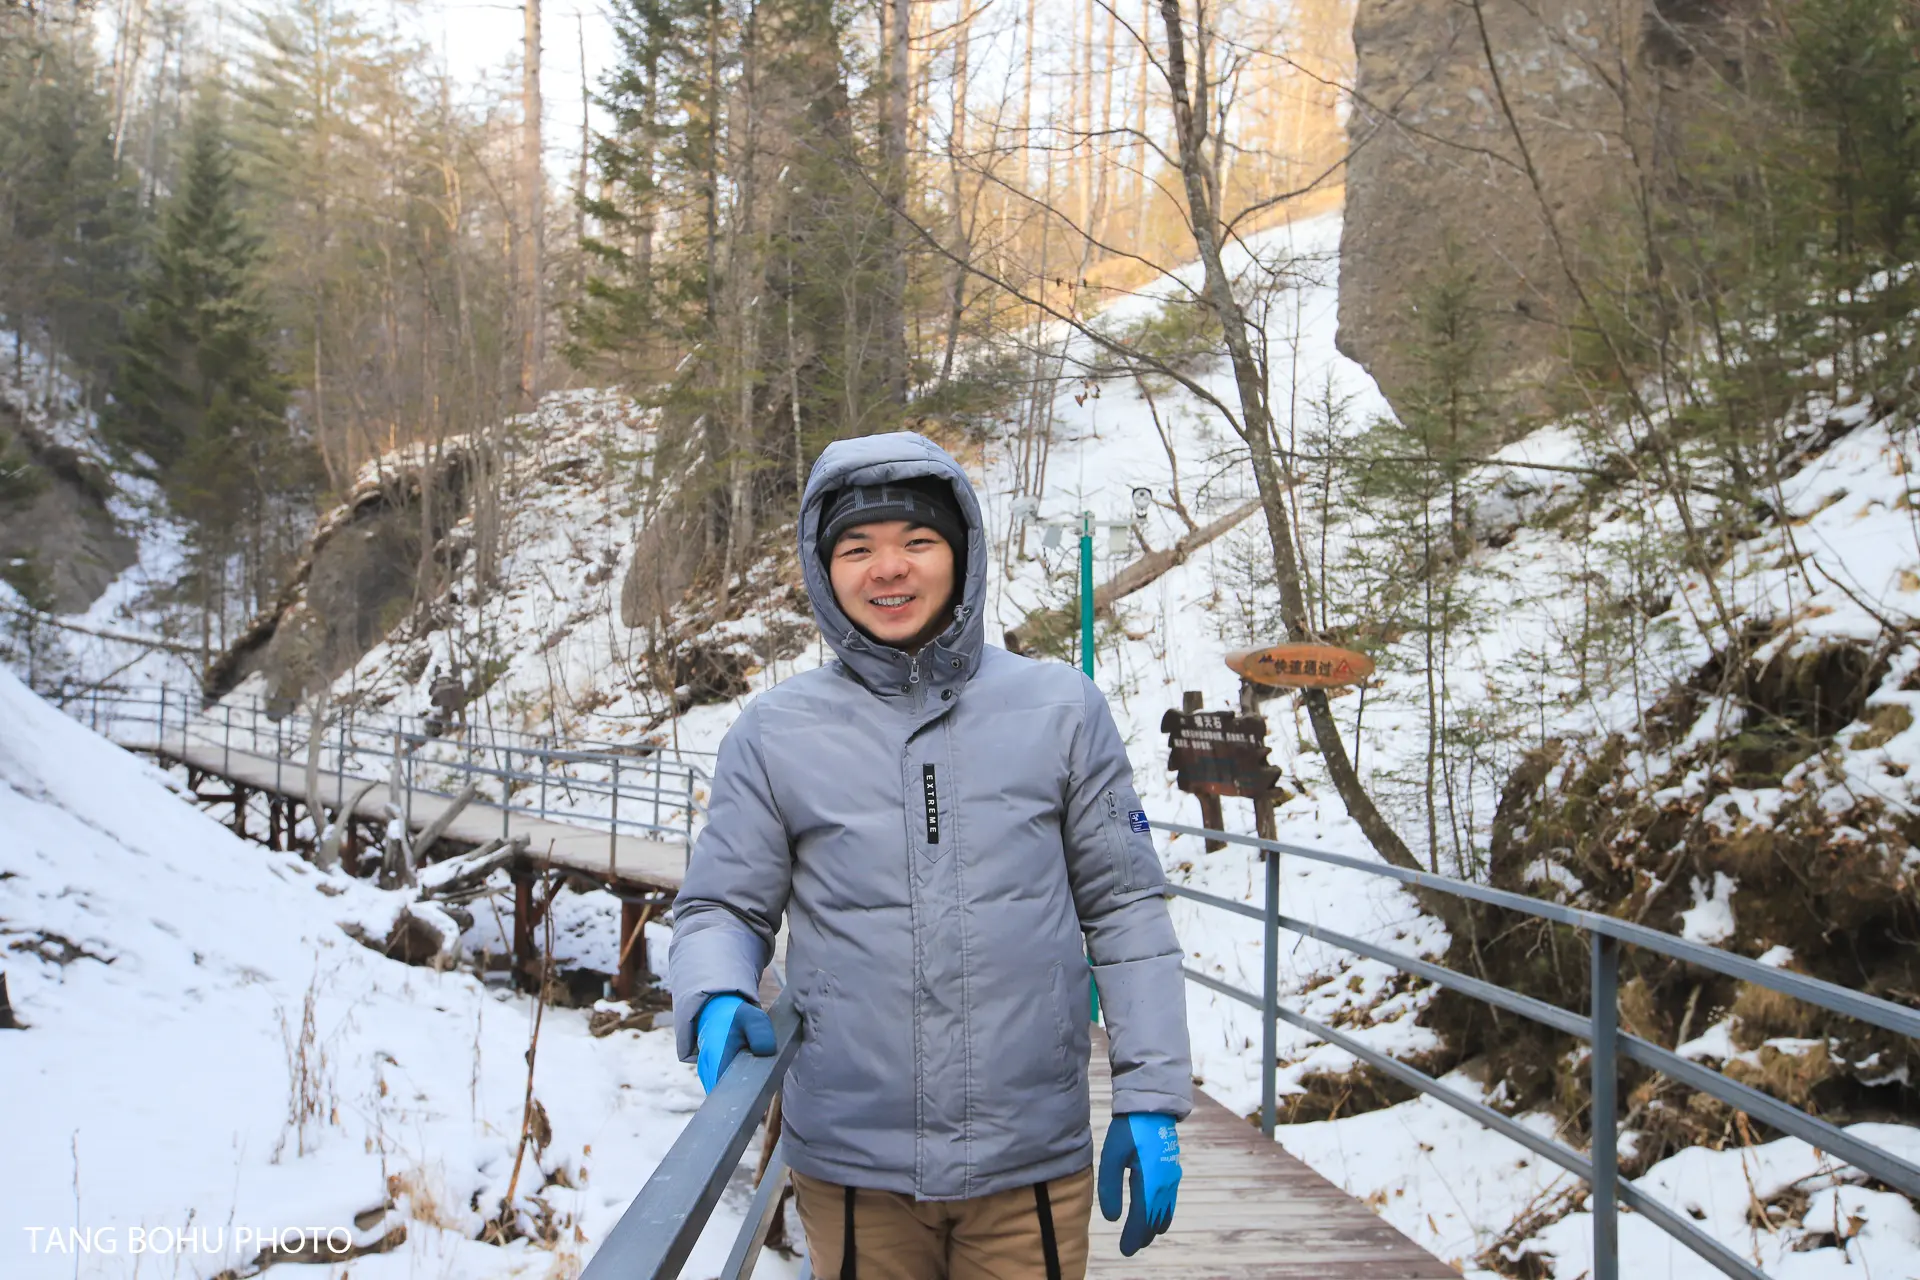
1437, 169
358, 577
64, 530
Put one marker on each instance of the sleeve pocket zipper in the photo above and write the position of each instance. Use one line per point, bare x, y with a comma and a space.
1117, 846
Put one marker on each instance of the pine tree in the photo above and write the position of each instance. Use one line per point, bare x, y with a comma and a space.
70, 220
1855, 65
198, 393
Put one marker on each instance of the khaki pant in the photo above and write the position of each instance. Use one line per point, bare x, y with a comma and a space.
996, 1237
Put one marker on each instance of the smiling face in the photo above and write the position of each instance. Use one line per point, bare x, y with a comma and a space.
894, 580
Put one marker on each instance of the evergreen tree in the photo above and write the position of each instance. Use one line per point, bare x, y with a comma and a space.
1855, 66
198, 393
741, 262
70, 218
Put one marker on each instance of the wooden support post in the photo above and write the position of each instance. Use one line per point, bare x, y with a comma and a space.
631, 969
350, 854
630, 923
240, 796
1213, 817
275, 813
523, 922
1263, 822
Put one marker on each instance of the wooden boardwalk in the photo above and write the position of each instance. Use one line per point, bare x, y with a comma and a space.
1248, 1209
624, 859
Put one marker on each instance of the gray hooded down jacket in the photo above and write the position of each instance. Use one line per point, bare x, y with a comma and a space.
942, 830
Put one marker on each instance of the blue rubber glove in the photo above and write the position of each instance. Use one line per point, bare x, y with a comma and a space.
1145, 1144
726, 1025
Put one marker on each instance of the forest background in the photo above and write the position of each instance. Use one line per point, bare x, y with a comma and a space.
268, 250
267, 246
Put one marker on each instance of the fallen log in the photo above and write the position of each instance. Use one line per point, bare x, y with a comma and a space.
438, 827
328, 856
1146, 570
451, 879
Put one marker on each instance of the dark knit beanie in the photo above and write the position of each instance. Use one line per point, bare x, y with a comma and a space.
925, 500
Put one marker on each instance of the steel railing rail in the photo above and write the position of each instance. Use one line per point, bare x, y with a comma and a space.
655, 1236
659, 1229
1599, 1028
69, 699
668, 786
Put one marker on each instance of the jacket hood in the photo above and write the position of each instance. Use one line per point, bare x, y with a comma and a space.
900, 455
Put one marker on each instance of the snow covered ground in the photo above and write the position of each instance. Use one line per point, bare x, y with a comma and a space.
572, 669
209, 1062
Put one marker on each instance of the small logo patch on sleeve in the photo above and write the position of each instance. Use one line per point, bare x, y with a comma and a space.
1137, 819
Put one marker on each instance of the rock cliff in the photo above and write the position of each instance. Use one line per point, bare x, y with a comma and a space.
62, 532
1516, 174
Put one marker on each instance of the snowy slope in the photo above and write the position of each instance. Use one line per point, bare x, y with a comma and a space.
207, 1053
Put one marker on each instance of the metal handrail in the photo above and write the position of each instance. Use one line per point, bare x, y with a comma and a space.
1600, 1028
66, 698
669, 786
661, 1226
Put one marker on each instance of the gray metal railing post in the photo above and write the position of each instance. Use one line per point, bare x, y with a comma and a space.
226, 738
1270, 995
340, 762
506, 786
1606, 1067
613, 824
543, 777
160, 733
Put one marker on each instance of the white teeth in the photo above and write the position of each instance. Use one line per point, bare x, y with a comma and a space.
888, 602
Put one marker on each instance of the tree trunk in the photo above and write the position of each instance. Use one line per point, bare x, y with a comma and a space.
962, 242
1256, 428
533, 216
893, 337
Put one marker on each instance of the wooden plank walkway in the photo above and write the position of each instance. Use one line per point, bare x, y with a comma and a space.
1248, 1209
627, 859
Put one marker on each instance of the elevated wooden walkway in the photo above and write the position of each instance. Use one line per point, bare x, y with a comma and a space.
625, 860
1248, 1209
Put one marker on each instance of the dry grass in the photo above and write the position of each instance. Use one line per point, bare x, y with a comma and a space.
1884, 724
312, 1102
1762, 1014
417, 1191
1790, 1077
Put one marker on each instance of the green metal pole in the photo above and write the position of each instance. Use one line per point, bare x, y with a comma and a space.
1086, 593
1086, 665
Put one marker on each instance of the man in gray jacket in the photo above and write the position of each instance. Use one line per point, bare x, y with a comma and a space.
952, 832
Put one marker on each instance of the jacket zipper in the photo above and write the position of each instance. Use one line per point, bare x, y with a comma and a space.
913, 669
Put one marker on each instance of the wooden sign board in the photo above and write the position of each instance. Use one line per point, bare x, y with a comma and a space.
1302, 666
1218, 753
